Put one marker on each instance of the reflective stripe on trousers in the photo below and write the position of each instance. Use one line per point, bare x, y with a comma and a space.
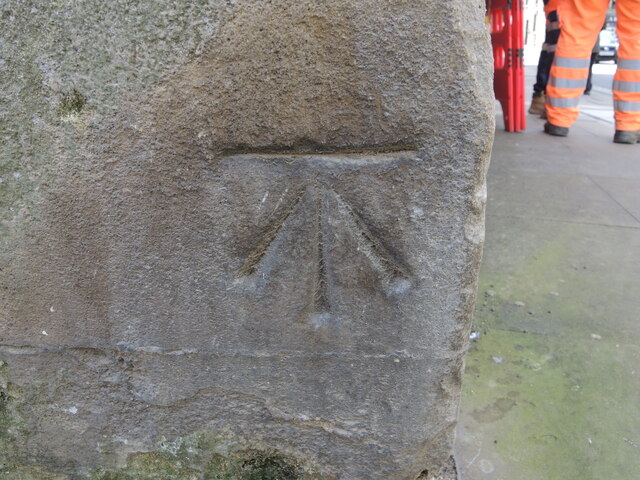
627, 64
575, 63
629, 87
626, 94
623, 106
567, 82
564, 102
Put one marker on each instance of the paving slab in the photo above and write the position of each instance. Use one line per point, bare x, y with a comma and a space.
553, 376
555, 196
563, 278
625, 191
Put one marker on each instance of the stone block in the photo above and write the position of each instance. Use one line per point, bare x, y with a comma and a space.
241, 237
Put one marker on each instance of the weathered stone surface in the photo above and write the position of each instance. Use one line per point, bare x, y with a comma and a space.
241, 237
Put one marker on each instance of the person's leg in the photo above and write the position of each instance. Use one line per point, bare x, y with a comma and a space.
580, 23
551, 41
544, 63
587, 90
626, 85
538, 98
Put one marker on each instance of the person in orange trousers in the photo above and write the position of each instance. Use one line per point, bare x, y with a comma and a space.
581, 21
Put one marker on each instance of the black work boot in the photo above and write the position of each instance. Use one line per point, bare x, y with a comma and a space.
627, 136
556, 131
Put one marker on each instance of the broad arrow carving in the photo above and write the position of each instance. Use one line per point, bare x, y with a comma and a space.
394, 278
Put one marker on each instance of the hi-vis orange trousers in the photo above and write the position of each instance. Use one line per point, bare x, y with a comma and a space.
581, 22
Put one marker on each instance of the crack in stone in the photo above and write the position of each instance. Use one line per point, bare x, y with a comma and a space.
340, 430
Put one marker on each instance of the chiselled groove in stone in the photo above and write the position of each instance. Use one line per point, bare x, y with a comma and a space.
359, 159
17, 350
257, 254
394, 277
320, 294
319, 151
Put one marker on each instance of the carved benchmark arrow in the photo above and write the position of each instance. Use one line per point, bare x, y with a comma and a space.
393, 277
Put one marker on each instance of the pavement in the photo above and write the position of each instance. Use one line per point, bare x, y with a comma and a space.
552, 383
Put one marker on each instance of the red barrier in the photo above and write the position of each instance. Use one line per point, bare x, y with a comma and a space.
507, 38
521, 120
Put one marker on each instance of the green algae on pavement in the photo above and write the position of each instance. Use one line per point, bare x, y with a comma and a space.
572, 280
547, 410
553, 381
552, 384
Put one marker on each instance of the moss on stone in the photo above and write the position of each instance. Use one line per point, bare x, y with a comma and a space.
72, 103
200, 457
152, 466
244, 465
253, 465
11, 426
195, 457
32, 473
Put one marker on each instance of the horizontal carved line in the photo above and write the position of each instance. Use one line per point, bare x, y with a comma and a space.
151, 350
275, 152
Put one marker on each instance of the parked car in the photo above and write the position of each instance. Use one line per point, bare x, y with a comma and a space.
608, 42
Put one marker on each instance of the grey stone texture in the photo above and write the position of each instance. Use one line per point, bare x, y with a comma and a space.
238, 236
